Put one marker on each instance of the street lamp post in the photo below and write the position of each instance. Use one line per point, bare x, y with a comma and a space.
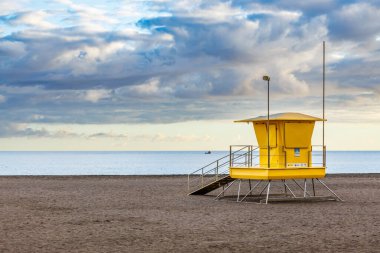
267, 78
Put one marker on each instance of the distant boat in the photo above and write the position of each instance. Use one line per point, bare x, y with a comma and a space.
208, 152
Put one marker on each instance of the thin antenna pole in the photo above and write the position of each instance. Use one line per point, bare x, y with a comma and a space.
323, 122
268, 128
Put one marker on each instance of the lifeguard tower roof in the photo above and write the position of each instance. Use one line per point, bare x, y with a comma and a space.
286, 116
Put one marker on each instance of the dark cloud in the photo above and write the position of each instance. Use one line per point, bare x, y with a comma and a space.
13, 130
22, 130
355, 22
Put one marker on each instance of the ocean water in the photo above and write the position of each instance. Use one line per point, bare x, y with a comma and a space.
153, 163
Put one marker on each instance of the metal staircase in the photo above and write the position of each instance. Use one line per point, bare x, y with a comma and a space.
216, 174
212, 186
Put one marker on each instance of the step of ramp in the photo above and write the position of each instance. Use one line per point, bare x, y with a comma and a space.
212, 186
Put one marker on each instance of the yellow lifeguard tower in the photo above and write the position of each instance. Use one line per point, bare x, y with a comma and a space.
286, 158
284, 153
289, 153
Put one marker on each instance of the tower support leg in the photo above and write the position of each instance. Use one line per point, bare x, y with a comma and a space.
266, 201
250, 191
329, 189
263, 189
304, 188
289, 189
225, 189
238, 195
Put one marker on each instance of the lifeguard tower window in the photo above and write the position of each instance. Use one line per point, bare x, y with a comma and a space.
298, 135
261, 135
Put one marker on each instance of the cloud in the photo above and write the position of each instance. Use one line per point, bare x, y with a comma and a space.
32, 131
12, 49
21, 130
87, 16
65, 132
37, 117
357, 22
34, 19
96, 95
10, 6
2, 99
173, 61
171, 138
107, 135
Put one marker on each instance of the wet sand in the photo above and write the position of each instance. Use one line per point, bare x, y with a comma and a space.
154, 214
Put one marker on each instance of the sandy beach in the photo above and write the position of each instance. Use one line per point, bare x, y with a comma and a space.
154, 214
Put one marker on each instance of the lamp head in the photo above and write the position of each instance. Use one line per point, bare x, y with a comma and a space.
266, 78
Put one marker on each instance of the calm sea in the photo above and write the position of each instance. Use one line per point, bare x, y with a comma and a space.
152, 163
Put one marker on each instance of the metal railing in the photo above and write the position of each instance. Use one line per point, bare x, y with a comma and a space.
244, 156
318, 152
250, 158
218, 169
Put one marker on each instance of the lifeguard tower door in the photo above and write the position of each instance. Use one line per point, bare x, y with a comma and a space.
277, 154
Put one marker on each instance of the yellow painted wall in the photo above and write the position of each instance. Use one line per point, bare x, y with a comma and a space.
285, 138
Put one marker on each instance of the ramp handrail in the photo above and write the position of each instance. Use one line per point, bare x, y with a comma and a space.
219, 168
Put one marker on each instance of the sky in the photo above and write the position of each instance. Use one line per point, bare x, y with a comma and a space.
174, 75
